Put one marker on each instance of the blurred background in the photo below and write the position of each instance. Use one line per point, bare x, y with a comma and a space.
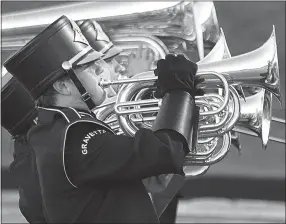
242, 188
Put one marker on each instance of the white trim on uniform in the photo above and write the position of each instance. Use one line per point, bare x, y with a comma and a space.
56, 111
77, 113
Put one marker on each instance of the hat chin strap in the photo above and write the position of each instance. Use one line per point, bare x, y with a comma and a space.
68, 67
85, 96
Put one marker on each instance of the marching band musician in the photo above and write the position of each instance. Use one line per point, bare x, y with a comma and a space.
18, 115
87, 174
19, 107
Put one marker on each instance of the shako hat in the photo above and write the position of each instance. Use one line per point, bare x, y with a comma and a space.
17, 108
98, 39
40, 63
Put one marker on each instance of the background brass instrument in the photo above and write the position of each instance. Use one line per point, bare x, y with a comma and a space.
184, 27
130, 42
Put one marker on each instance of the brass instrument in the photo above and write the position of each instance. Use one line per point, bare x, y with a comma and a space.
184, 27
128, 43
216, 107
219, 52
106, 111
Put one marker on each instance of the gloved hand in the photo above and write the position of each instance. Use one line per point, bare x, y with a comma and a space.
177, 73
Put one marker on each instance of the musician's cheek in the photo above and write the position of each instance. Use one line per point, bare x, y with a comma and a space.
110, 92
90, 82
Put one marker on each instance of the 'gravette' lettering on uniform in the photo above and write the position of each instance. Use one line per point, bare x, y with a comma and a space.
86, 139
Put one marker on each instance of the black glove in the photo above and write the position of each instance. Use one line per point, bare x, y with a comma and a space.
176, 72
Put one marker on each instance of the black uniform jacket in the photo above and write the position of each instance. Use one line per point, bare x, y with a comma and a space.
89, 175
23, 170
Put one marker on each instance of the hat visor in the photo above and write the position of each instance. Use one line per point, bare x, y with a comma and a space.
113, 51
92, 56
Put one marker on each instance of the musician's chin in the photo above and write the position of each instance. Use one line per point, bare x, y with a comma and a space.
110, 92
100, 97
104, 96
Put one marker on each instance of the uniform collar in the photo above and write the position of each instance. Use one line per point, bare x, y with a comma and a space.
47, 114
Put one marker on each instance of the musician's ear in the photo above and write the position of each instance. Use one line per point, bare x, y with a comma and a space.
62, 86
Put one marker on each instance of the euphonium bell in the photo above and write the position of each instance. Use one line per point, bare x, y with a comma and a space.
257, 68
256, 113
219, 52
